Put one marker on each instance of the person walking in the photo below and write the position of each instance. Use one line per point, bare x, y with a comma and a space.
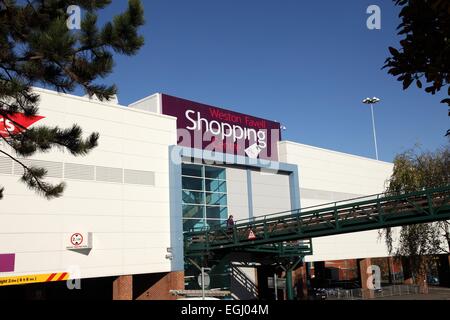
230, 222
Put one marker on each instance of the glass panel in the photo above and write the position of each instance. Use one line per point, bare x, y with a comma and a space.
215, 185
216, 199
196, 203
192, 170
192, 183
193, 224
212, 223
193, 197
215, 173
192, 211
220, 213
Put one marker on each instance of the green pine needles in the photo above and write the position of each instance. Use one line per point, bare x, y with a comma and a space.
37, 48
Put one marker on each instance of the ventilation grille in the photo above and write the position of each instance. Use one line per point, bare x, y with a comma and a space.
6, 165
80, 172
107, 174
54, 169
139, 177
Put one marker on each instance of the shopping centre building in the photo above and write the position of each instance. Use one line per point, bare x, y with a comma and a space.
163, 165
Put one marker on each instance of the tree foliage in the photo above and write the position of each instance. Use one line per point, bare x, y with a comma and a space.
424, 54
38, 49
414, 171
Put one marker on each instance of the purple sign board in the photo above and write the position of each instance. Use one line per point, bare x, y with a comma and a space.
7, 262
211, 128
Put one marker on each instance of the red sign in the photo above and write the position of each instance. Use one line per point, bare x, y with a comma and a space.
76, 239
251, 235
16, 124
207, 127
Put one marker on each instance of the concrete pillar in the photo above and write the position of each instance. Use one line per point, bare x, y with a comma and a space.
123, 288
364, 264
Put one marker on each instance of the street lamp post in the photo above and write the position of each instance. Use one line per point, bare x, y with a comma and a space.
373, 101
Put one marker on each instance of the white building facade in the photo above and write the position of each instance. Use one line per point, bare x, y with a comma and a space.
144, 184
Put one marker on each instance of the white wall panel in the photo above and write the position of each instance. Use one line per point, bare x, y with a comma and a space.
271, 193
150, 104
131, 223
237, 193
326, 176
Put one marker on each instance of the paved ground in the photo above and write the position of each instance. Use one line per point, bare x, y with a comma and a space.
435, 294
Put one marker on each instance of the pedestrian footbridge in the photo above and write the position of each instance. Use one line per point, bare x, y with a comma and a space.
285, 238
290, 232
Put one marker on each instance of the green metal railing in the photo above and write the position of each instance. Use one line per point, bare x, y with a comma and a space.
283, 249
360, 214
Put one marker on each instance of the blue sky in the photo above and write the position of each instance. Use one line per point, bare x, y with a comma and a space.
306, 64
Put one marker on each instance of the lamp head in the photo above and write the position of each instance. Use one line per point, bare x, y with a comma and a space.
371, 100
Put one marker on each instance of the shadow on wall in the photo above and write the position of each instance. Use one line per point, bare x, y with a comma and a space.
84, 252
242, 286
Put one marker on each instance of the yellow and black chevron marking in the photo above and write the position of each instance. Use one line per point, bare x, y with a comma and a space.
37, 278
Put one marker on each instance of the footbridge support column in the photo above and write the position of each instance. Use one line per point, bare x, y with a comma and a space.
289, 268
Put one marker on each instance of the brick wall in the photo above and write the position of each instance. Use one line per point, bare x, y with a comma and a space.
148, 287
123, 288
161, 287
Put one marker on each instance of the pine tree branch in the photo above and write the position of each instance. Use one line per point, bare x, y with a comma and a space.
37, 47
46, 189
28, 58
7, 72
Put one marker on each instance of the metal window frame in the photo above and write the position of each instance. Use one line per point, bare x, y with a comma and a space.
205, 205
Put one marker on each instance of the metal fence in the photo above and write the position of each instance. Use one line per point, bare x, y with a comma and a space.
358, 294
